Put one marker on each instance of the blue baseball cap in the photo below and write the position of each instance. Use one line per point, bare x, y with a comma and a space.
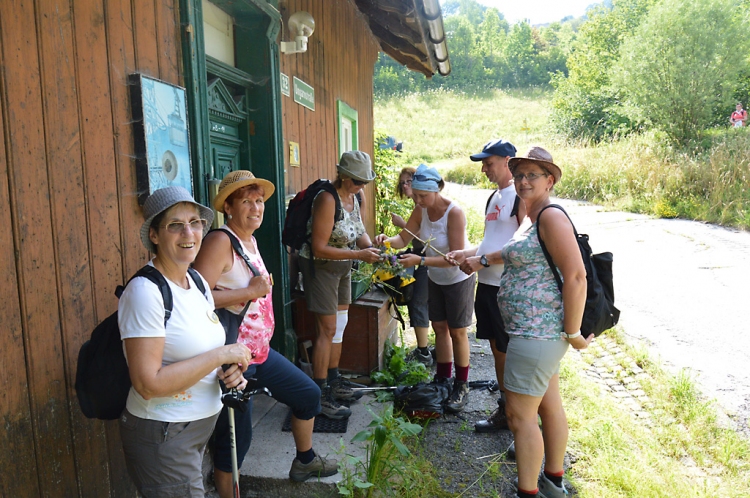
426, 179
496, 147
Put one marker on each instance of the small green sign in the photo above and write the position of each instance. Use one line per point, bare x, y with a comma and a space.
285, 85
304, 94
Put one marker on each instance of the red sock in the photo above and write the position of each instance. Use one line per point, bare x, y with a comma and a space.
462, 373
522, 493
444, 370
555, 477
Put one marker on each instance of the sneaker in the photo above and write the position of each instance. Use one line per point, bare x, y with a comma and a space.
319, 467
458, 398
330, 408
424, 359
547, 489
342, 389
497, 421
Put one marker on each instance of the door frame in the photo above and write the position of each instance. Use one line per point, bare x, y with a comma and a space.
258, 23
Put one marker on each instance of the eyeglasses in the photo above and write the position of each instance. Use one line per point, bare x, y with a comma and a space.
358, 183
529, 176
405, 183
179, 226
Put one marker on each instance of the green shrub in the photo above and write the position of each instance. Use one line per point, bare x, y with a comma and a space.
467, 174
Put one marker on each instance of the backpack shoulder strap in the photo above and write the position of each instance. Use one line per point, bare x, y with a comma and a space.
327, 186
238, 249
489, 199
197, 279
547, 255
514, 210
157, 278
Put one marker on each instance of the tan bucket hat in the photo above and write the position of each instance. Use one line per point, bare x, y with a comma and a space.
236, 180
540, 156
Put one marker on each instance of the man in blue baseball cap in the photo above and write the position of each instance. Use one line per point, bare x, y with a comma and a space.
503, 215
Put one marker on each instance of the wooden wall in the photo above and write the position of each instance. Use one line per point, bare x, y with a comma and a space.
71, 220
339, 64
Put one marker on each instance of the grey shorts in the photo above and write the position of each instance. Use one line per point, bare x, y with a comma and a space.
531, 363
327, 284
165, 459
453, 303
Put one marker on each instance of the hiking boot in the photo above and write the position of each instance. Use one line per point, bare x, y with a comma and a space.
424, 359
458, 398
497, 421
342, 389
319, 467
330, 408
547, 489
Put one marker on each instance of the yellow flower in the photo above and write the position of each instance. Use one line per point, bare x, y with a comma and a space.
387, 244
381, 275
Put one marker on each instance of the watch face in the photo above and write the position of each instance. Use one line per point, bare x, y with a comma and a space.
483, 261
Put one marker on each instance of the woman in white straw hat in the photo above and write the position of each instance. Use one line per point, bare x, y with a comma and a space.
326, 263
243, 296
541, 323
174, 366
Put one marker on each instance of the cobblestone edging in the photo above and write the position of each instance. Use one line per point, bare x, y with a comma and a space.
617, 374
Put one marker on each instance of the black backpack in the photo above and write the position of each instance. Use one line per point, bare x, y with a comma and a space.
298, 212
102, 377
600, 313
423, 400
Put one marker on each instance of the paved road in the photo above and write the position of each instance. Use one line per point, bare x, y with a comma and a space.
684, 288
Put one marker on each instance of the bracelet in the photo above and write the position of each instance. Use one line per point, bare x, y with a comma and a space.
573, 336
421, 262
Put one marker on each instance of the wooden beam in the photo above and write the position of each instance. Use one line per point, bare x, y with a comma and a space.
396, 24
408, 60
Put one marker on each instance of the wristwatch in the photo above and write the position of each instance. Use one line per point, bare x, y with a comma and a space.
483, 260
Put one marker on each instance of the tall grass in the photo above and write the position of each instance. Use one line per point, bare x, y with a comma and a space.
707, 181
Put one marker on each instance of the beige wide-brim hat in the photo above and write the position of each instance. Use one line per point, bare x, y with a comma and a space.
540, 156
356, 165
236, 180
163, 199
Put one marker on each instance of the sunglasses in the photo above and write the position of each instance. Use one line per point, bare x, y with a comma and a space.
176, 227
405, 183
358, 183
423, 178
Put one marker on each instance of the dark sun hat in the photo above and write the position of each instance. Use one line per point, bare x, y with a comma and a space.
540, 156
496, 147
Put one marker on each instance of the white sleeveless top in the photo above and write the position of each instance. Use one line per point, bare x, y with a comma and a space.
438, 232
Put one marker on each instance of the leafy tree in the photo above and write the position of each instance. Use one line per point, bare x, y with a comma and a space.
682, 64
521, 57
585, 105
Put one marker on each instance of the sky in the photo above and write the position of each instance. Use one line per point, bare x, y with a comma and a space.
539, 11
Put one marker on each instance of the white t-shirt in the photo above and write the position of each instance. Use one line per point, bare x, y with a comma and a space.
499, 227
189, 332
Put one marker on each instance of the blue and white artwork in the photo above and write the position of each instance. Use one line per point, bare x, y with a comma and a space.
166, 130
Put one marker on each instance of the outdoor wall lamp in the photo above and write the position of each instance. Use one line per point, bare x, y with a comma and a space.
301, 26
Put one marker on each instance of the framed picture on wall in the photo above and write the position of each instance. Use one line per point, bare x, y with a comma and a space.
162, 140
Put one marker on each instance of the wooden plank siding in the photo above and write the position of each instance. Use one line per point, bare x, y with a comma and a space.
68, 188
339, 65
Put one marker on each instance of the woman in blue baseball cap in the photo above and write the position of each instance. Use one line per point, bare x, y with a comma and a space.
442, 225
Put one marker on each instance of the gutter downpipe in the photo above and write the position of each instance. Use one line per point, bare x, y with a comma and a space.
432, 14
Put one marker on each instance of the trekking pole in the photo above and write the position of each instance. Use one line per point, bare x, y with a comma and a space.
236, 399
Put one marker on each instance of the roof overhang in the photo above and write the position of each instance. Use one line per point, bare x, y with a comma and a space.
411, 32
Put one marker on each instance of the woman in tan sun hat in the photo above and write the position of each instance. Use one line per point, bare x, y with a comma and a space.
541, 323
244, 294
174, 364
326, 263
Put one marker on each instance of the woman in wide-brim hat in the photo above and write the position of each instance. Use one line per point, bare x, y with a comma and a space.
541, 323
175, 366
326, 262
450, 291
243, 297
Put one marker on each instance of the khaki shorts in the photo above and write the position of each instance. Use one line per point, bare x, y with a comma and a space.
165, 459
531, 363
327, 284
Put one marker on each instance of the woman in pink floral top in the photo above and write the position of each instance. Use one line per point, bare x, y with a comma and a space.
541, 322
236, 289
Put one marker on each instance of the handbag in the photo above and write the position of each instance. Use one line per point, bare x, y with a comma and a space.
231, 321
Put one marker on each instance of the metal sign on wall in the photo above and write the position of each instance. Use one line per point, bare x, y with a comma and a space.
304, 94
285, 85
